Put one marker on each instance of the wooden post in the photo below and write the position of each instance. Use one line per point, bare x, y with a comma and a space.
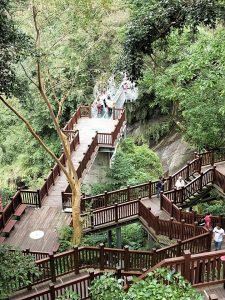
52, 267
76, 259
149, 189
46, 180
161, 200
53, 180
199, 164
200, 182
214, 174
106, 197
188, 171
170, 183
116, 212
126, 258
209, 241
82, 203
170, 228
118, 272
187, 264
175, 195
182, 229
171, 208
113, 138
92, 220
178, 248
139, 205
195, 228
154, 260
101, 258
212, 158
182, 194
52, 291
157, 225
38, 198
180, 214
91, 276
128, 193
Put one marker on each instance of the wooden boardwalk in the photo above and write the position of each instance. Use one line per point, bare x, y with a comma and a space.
50, 217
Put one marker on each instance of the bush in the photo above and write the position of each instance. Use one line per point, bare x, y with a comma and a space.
161, 284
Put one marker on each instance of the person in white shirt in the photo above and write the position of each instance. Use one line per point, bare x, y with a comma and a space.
179, 183
218, 234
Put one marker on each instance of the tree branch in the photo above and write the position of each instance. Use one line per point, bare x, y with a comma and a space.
35, 135
28, 75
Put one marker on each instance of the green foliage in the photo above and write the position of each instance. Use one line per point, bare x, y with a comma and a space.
161, 284
106, 287
94, 239
153, 133
154, 287
65, 234
13, 45
134, 236
154, 20
16, 270
134, 164
69, 295
186, 80
215, 207
6, 193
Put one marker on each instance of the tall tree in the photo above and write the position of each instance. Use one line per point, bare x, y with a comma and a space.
53, 77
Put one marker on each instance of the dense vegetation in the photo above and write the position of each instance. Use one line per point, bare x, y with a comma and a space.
174, 48
153, 287
16, 269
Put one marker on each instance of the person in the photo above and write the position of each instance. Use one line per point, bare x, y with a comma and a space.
201, 222
160, 186
179, 183
218, 234
208, 221
99, 107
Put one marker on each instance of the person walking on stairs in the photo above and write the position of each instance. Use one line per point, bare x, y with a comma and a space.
160, 186
208, 221
180, 183
218, 234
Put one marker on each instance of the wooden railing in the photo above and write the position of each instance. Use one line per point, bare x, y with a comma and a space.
103, 258
220, 180
100, 139
189, 217
198, 269
211, 157
178, 196
143, 190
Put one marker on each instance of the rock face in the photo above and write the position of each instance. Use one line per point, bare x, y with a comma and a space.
174, 153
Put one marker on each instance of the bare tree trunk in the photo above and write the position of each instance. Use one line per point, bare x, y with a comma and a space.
76, 219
